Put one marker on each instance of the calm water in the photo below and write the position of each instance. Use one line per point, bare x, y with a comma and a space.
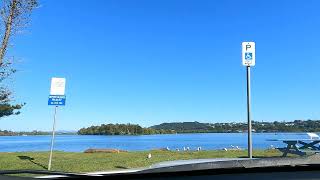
73, 143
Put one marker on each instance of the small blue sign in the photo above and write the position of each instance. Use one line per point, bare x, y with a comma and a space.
248, 56
57, 100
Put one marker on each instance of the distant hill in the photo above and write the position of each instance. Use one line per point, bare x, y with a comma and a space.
233, 127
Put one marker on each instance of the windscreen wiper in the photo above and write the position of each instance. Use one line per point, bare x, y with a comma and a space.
238, 163
41, 172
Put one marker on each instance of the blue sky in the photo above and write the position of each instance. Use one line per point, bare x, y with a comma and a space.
149, 62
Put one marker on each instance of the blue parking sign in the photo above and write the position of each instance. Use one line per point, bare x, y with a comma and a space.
57, 100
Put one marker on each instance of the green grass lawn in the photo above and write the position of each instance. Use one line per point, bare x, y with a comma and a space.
89, 162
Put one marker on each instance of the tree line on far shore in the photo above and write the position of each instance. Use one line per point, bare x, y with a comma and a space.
185, 127
12, 133
121, 129
197, 127
239, 127
32, 133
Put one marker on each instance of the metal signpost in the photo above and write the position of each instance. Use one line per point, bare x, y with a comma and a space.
248, 60
57, 98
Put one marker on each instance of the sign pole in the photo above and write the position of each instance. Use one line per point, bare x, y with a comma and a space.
248, 60
57, 98
52, 139
248, 113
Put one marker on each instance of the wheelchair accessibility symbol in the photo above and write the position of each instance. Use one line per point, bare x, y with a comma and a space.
248, 56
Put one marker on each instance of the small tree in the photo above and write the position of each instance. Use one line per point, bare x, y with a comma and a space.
14, 17
6, 108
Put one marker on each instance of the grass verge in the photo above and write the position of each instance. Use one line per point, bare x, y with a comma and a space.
90, 162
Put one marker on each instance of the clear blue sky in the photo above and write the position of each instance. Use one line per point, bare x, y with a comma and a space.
149, 62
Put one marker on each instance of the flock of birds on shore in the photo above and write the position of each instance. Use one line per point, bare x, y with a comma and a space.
184, 149
199, 149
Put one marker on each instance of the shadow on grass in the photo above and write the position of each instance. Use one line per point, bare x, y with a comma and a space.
27, 158
121, 167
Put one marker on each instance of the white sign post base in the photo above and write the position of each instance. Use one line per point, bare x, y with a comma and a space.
52, 139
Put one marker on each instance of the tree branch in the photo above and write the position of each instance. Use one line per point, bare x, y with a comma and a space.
8, 27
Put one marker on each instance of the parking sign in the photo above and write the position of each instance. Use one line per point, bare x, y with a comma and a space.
57, 92
248, 54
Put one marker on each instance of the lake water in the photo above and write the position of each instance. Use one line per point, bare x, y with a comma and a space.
207, 141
